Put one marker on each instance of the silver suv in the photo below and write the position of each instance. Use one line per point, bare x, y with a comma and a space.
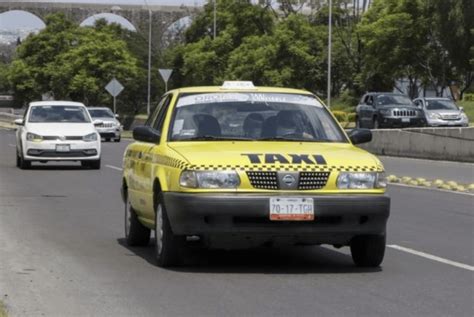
442, 112
110, 129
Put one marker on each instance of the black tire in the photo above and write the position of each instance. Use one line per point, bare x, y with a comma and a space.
368, 251
117, 140
136, 234
376, 124
18, 159
95, 165
168, 246
22, 163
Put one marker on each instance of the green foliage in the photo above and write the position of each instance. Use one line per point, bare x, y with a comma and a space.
468, 97
4, 83
72, 63
341, 116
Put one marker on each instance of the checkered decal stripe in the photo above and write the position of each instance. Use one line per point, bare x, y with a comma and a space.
286, 168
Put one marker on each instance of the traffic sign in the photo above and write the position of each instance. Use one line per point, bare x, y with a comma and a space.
165, 74
114, 87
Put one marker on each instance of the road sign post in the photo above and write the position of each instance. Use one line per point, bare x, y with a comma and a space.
114, 87
165, 74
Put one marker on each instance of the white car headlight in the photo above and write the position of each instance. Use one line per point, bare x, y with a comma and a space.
209, 179
434, 115
90, 137
33, 137
361, 180
464, 116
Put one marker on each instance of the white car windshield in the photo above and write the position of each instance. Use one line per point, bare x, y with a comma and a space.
101, 113
440, 105
253, 116
58, 114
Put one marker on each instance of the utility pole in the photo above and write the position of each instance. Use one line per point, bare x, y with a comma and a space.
215, 17
150, 17
329, 54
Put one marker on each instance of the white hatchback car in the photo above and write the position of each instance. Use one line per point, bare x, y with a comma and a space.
57, 131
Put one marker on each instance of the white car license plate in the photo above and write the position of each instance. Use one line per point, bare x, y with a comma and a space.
63, 148
295, 209
405, 119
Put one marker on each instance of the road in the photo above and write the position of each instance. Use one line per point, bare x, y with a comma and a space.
62, 253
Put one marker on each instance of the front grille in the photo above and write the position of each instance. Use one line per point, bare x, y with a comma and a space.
107, 125
307, 180
450, 117
404, 113
263, 180
313, 180
52, 153
65, 138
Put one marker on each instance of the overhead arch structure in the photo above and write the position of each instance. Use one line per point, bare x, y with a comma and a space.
110, 18
20, 23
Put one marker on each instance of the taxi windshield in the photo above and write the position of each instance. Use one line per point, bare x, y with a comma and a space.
56, 114
253, 116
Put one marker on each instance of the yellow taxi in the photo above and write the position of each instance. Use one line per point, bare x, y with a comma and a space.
240, 166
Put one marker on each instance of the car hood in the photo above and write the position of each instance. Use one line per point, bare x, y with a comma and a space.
66, 129
275, 155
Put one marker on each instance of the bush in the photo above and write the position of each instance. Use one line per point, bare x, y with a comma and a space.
351, 117
341, 116
468, 97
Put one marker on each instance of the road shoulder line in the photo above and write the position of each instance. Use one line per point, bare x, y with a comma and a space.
432, 257
430, 188
114, 167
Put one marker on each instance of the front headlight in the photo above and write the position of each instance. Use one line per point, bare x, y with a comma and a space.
464, 117
361, 180
209, 179
33, 137
90, 137
434, 115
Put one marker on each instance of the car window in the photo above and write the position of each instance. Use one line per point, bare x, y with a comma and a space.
386, 100
160, 118
253, 116
101, 113
58, 114
440, 105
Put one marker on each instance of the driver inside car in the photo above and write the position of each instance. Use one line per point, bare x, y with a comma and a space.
291, 123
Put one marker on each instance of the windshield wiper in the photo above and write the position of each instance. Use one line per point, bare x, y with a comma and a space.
216, 138
280, 138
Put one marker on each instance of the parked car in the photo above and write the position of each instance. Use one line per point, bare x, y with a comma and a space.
110, 129
57, 131
384, 110
240, 166
442, 112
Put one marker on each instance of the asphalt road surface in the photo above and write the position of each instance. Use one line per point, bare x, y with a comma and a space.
62, 253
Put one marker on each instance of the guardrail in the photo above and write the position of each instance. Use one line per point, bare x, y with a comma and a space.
449, 144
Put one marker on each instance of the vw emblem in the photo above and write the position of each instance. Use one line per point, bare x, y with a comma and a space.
62, 138
288, 180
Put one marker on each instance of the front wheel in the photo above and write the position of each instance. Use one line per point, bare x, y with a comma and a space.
167, 245
95, 164
376, 124
22, 163
117, 139
368, 251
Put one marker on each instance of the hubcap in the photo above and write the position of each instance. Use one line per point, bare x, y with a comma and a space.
159, 229
128, 217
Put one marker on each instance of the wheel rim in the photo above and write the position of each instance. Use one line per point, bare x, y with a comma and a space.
128, 217
159, 229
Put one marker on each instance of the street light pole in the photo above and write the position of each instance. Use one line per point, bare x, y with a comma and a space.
329, 53
150, 16
215, 17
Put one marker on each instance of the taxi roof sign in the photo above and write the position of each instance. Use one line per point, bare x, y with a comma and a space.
238, 85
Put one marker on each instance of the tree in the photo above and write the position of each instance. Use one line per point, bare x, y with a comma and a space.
72, 63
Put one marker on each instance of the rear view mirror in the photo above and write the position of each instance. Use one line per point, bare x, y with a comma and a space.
146, 134
359, 136
19, 122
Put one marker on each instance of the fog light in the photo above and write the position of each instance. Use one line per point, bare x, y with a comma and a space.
90, 152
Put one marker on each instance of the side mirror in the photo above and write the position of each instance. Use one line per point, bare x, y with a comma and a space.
359, 136
19, 122
461, 109
146, 134
117, 116
98, 123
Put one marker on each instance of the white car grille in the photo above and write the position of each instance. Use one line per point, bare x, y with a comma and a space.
107, 125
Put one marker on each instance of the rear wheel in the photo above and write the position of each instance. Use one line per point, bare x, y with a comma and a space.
136, 234
368, 251
168, 246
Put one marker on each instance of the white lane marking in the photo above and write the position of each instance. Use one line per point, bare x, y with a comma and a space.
114, 167
432, 257
12, 145
431, 188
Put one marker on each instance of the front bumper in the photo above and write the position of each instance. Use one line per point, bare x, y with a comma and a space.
447, 123
402, 122
242, 220
109, 132
46, 150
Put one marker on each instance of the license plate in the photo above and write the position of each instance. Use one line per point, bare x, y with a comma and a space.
293, 209
63, 148
405, 119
